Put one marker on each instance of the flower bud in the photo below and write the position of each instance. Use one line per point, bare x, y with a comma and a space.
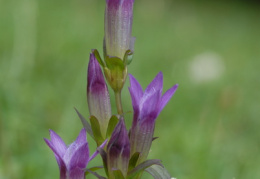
118, 27
118, 150
98, 95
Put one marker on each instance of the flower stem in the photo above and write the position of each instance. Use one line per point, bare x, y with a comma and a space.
119, 103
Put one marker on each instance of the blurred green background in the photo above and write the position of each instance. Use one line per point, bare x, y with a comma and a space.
210, 128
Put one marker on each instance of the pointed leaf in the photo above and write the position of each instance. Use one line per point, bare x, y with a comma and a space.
103, 154
154, 138
85, 124
111, 125
93, 169
95, 174
158, 172
141, 167
133, 160
99, 59
118, 174
96, 130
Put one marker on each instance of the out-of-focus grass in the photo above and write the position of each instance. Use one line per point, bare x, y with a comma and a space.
208, 130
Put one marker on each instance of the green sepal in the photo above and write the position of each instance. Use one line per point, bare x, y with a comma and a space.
93, 169
114, 63
98, 57
141, 167
118, 174
158, 172
133, 160
115, 72
128, 57
96, 130
85, 124
103, 155
95, 174
111, 125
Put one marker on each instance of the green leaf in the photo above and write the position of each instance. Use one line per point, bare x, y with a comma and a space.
95, 174
93, 169
99, 59
133, 160
96, 130
111, 125
158, 172
103, 155
118, 174
85, 124
141, 167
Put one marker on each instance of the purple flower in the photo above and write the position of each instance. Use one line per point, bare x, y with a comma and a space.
118, 150
147, 106
72, 160
118, 27
98, 95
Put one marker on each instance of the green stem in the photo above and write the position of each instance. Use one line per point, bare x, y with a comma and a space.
119, 103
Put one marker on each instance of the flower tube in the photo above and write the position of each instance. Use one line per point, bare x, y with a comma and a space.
147, 106
118, 27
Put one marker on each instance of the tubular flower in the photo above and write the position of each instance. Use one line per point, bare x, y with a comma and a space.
118, 150
98, 95
72, 160
147, 106
118, 27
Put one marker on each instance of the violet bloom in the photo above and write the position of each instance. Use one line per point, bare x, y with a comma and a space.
98, 95
72, 160
147, 105
118, 27
118, 150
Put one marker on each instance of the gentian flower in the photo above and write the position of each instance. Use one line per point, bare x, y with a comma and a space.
147, 106
118, 150
98, 95
118, 27
72, 160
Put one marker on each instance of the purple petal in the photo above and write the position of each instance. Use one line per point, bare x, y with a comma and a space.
136, 87
95, 76
58, 143
59, 159
150, 106
82, 138
77, 173
136, 93
156, 84
79, 158
97, 152
167, 96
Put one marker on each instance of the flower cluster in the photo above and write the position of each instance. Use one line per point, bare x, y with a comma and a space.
124, 152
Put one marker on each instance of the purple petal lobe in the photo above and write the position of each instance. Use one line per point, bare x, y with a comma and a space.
156, 84
167, 96
58, 143
82, 138
136, 92
80, 157
97, 152
149, 106
59, 159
